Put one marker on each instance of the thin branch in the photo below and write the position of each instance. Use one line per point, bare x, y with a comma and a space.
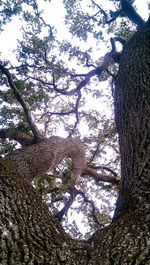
97, 71
87, 200
126, 10
75, 125
72, 111
87, 64
78, 75
101, 10
40, 80
111, 74
76, 113
88, 171
95, 153
105, 168
68, 204
59, 113
18, 96
37, 13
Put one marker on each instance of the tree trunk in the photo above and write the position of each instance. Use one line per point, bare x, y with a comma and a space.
132, 115
31, 236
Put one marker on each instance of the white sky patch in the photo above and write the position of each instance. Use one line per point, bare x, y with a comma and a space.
9, 38
142, 8
54, 14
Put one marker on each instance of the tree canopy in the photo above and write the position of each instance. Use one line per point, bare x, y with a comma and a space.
59, 81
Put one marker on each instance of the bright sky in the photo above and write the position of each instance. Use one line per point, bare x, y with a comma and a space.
54, 13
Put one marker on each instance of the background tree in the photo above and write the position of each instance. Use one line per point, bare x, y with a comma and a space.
49, 90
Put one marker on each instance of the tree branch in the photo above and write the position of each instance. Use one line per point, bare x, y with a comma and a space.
126, 10
99, 176
131, 13
37, 13
97, 71
95, 152
18, 96
87, 200
69, 202
22, 138
72, 111
101, 10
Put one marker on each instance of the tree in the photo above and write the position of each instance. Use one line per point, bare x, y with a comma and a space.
30, 235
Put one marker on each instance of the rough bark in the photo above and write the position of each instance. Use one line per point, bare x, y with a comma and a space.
31, 236
39, 158
132, 114
22, 138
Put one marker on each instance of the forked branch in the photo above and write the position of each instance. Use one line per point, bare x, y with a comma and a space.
126, 10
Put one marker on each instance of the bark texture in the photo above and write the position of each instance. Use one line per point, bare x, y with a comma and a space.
132, 114
37, 159
29, 235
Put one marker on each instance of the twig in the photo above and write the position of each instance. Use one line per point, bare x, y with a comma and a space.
95, 153
87, 200
38, 15
101, 10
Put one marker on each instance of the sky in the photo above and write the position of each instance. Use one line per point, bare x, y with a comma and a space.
54, 14
12, 31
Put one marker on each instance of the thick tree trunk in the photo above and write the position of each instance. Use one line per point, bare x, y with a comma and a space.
29, 235
132, 114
